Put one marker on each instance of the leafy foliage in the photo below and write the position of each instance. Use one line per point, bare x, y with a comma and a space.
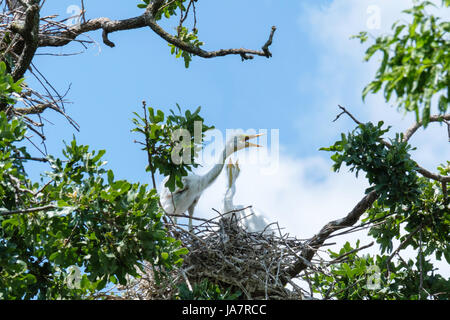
428, 214
7, 85
409, 209
93, 222
377, 277
160, 144
415, 64
410, 212
188, 37
390, 170
167, 11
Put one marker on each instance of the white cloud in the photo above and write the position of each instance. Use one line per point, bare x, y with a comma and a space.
341, 73
341, 76
302, 195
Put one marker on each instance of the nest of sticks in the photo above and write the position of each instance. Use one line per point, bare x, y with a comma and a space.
223, 253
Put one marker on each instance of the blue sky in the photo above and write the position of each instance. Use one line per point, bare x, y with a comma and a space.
108, 85
314, 67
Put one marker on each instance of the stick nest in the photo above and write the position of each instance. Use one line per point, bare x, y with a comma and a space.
223, 253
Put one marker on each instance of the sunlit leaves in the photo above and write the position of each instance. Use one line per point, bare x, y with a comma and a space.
364, 276
415, 63
158, 129
8, 86
170, 9
389, 170
102, 226
188, 37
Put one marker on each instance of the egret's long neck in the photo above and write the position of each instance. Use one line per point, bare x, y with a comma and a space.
228, 199
212, 174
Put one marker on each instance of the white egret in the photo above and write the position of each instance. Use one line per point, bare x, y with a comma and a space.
185, 199
248, 218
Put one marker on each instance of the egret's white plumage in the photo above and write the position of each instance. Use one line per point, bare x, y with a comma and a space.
249, 219
185, 199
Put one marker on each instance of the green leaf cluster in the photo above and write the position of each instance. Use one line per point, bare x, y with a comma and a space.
423, 223
377, 277
188, 37
389, 170
8, 86
90, 221
157, 129
415, 62
414, 211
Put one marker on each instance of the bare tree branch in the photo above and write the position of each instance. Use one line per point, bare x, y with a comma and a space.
341, 257
316, 241
29, 30
145, 20
417, 125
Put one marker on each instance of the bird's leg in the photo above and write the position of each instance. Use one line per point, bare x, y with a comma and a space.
191, 213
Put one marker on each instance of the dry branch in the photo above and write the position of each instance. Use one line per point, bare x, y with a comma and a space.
23, 32
317, 240
147, 19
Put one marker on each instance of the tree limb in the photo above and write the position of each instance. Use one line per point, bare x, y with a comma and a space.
29, 210
402, 244
417, 125
317, 240
28, 28
406, 136
145, 20
362, 206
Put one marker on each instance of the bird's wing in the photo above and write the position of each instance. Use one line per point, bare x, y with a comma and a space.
192, 206
180, 191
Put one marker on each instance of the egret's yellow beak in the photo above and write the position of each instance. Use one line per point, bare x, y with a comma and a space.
230, 175
252, 136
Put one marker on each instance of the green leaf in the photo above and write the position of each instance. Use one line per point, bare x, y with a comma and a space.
181, 251
110, 177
